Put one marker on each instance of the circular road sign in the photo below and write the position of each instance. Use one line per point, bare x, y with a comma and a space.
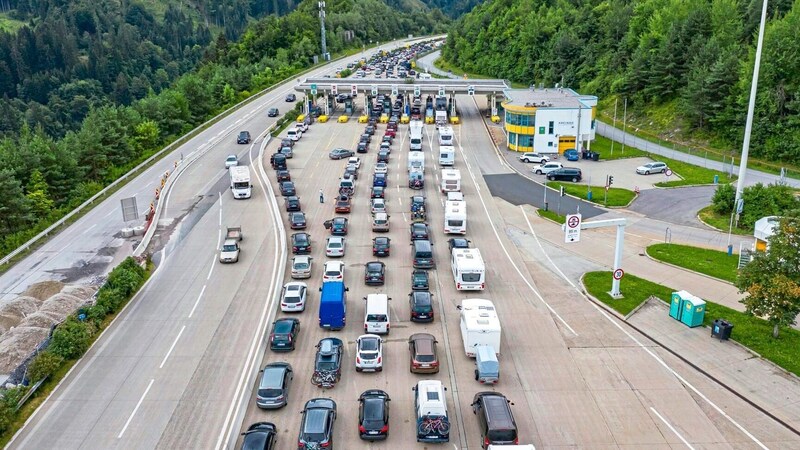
618, 274
668, 172
574, 221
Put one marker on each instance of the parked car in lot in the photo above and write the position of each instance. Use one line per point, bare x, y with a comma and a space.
381, 246
292, 203
369, 353
273, 112
301, 243
260, 436
335, 247
316, 426
340, 153
301, 267
546, 168
374, 273
421, 306
565, 174
572, 155
333, 271
293, 297
243, 137
273, 389
531, 157
458, 243
653, 167
422, 347
284, 335
373, 415
297, 220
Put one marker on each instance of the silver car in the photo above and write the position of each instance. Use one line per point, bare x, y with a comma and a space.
335, 247
653, 167
301, 267
273, 388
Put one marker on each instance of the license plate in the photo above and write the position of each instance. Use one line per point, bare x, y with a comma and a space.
424, 365
423, 316
373, 432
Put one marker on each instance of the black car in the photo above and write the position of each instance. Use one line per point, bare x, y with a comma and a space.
329, 358
316, 427
287, 188
383, 156
373, 415
278, 161
565, 174
292, 203
297, 220
419, 280
337, 225
362, 147
458, 243
291, 97
301, 244
339, 153
283, 175
377, 192
284, 334
273, 112
370, 130
366, 138
381, 246
342, 97
419, 231
421, 305
259, 436
243, 138
374, 273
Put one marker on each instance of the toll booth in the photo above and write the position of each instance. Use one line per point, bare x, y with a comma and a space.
348, 106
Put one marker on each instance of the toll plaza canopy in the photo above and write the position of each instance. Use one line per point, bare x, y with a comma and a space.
374, 86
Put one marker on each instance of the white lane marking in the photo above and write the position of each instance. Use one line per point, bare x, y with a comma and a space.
405, 219
64, 247
510, 259
220, 209
685, 442
109, 213
530, 227
398, 199
197, 302
88, 229
211, 269
128, 422
172, 347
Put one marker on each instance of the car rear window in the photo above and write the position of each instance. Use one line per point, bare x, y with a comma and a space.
502, 435
377, 318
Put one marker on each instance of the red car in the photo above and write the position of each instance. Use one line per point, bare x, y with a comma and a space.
390, 132
343, 204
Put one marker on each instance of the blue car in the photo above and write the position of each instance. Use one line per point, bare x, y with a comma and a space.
572, 155
379, 179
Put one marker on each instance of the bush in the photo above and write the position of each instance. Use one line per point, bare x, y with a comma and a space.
723, 199
8, 406
44, 365
759, 201
71, 338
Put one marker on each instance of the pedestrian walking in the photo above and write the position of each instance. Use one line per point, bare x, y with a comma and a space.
321, 196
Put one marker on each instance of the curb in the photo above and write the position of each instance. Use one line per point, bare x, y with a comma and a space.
688, 270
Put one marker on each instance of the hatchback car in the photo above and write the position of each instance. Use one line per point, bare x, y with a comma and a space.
273, 389
342, 204
385, 147
373, 415
362, 147
335, 246
291, 97
374, 273
565, 174
377, 192
381, 246
419, 280
383, 155
419, 231
333, 271
546, 168
287, 188
387, 139
340, 153
572, 155
301, 244
381, 167
422, 347
283, 335
421, 305
297, 220
370, 130
316, 426
292, 203
231, 161
458, 243
379, 179
365, 138
377, 205
293, 297
338, 226
653, 167
260, 436
272, 112
301, 267
369, 353
243, 137
533, 158
355, 161
283, 175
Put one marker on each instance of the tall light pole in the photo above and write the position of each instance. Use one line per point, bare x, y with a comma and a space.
748, 127
322, 30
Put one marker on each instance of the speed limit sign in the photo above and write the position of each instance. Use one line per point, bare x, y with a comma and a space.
618, 274
334, 89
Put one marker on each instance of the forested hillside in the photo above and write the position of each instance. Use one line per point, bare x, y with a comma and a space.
692, 59
42, 174
450, 8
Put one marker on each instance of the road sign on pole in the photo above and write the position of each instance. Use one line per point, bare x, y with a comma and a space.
441, 91
374, 89
618, 274
334, 89
353, 90
471, 90
416, 91
313, 89
573, 228
394, 90
129, 210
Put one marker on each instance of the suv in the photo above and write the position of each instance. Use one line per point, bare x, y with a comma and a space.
243, 138
565, 174
421, 306
373, 415
495, 421
533, 158
273, 389
260, 435
546, 168
423, 353
316, 427
284, 334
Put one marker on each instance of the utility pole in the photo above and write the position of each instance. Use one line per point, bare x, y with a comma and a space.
624, 122
614, 124
322, 30
748, 127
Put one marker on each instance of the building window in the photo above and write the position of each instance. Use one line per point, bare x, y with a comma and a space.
549, 143
525, 140
512, 138
550, 127
593, 123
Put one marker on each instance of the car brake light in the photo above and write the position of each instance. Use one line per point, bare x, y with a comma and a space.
325, 444
358, 359
294, 248
385, 429
362, 429
486, 442
458, 285
483, 285
415, 364
516, 441
301, 444
379, 359
271, 337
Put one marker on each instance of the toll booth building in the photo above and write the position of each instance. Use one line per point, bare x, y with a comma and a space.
548, 120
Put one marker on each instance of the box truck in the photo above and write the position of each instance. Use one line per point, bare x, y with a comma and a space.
451, 180
240, 181
333, 305
479, 325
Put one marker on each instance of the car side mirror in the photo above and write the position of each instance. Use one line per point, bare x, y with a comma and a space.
347, 289
320, 289
458, 307
232, 187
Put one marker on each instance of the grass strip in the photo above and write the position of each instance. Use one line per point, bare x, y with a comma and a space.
616, 196
552, 215
721, 222
714, 263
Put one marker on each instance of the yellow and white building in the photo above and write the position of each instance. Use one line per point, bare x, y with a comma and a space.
548, 120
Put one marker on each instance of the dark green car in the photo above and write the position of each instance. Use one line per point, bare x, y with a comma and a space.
284, 335
419, 280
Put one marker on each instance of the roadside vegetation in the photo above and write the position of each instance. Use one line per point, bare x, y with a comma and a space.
602, 145
552, 215
749, 330
759, 201
713, 263
617, 197
720, 221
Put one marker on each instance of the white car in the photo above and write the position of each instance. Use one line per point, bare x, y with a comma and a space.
301, 267
369, 353
381, 167
544, 169
293, 297
534, 158
334, 271
231, 161
378, 205
335, 246
355, 161
302, 126
653, 167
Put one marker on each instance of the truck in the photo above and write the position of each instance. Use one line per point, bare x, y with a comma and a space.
441, 118
416, 162
333, 305
451, 180
469, 271
229, 253
415, 135
479, 325
445, 135
240, 181
447, 155
455, 217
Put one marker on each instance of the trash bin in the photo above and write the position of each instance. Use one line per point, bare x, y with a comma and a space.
721, 329
716, 179
595, 156
676, 304
589, 195
585, 154
694, 311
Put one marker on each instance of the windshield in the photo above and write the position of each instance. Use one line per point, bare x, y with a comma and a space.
314, 427
455, 223
335, 245
241, 185
376, 318
369, 345
326, 363
423, 255
332, 273
301, 266
229, 248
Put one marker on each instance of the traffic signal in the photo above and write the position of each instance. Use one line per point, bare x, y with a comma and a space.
609, 180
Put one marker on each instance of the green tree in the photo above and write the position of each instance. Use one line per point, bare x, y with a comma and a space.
71, 338
145, 136
772, 279
15, 212
39, 199
44, 365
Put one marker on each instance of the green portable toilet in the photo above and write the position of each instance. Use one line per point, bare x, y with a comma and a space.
694, 310
676, 304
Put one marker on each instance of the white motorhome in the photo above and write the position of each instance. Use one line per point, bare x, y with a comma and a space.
447, 155
416, 162
240, 181
469, 272
445, 135
479, 325
415, 135
455, 217
451, 180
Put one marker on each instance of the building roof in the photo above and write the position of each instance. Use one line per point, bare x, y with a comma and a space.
545, 98
765, 227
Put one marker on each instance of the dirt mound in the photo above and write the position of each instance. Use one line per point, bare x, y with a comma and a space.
18, 344
44, 290
62, 304
15, 311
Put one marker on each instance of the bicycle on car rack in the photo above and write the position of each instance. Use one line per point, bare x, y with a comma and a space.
326, 379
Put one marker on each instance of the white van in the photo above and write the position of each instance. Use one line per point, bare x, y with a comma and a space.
294, 134
376, 316
430, 407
